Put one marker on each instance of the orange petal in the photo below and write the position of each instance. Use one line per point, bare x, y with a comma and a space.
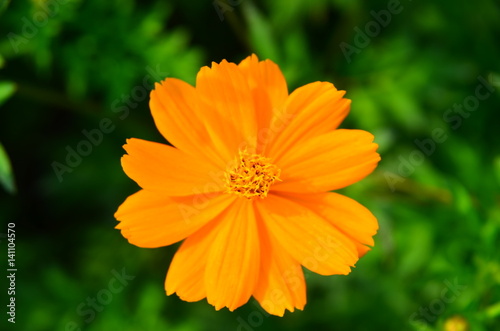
269, 89
349, 216
308, 238
175, 108
186, 274
281, 283
165, 169
234, 258
310, 111
266, 75
149, 219
225, 88
328, 162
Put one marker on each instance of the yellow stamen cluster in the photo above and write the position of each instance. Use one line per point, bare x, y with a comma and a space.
252, 176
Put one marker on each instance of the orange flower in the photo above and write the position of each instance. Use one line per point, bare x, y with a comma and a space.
246, 186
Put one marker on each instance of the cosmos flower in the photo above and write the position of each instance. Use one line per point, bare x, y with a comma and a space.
246, 186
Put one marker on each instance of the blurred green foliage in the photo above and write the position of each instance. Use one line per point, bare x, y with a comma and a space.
74, 63
6, 177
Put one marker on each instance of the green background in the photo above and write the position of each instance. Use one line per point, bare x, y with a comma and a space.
67, 65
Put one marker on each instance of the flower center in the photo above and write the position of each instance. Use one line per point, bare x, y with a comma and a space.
252, 176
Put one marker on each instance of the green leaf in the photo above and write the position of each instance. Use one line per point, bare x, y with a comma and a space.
6, 90
6, 176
